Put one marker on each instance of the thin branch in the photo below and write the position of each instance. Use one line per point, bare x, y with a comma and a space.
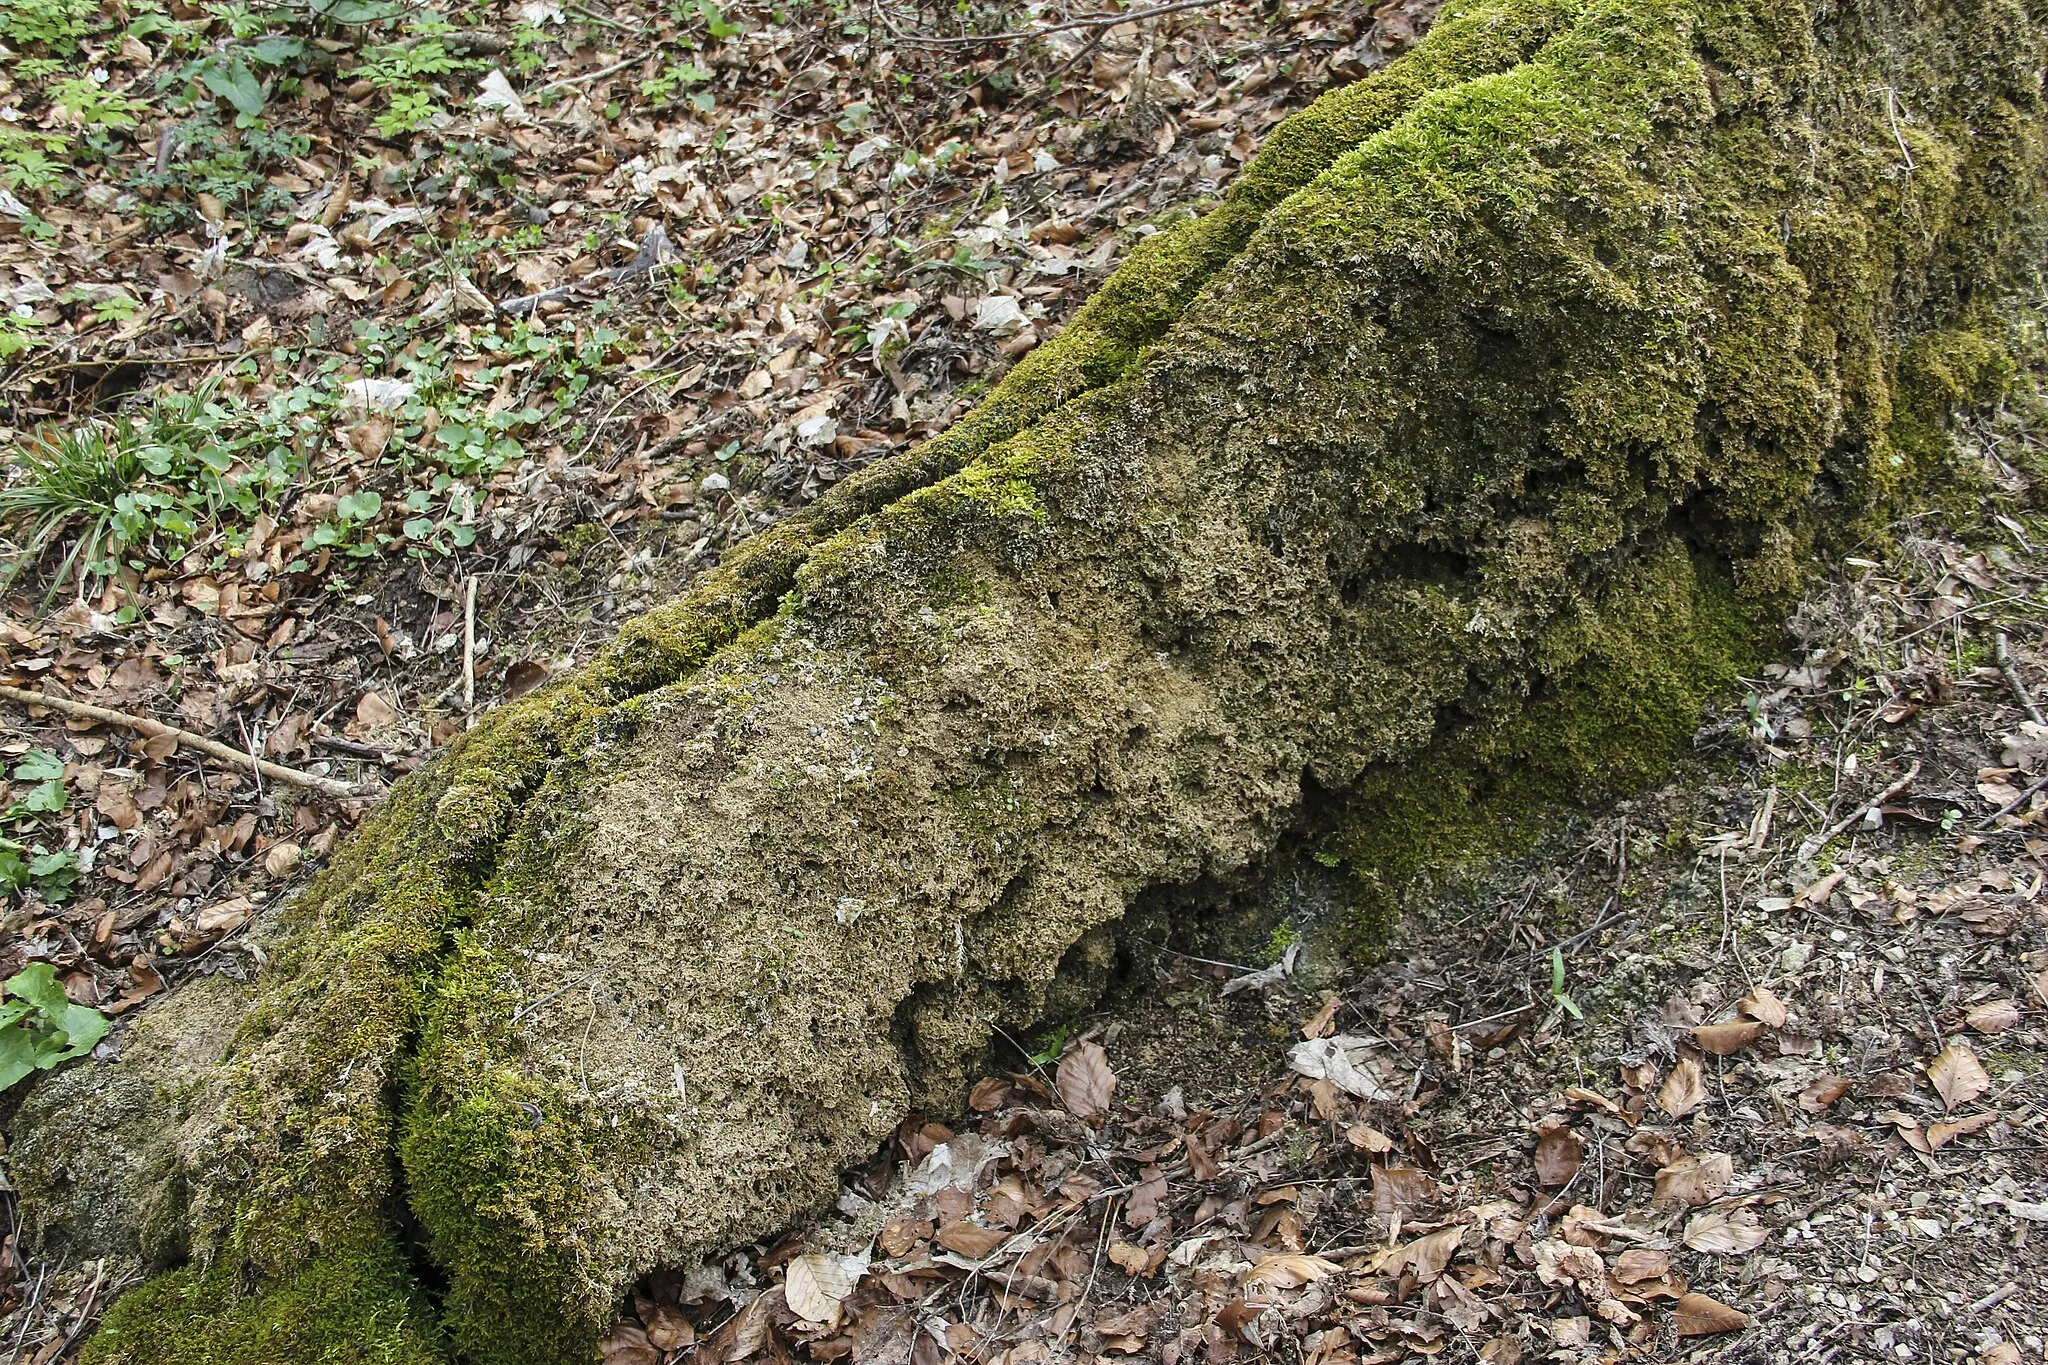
2011, 671
1086, 21
143, 725
1817, 842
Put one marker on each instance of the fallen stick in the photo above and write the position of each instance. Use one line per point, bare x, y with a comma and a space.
1085, 21
276, 772
2011, 671
2009, 807
1817, 842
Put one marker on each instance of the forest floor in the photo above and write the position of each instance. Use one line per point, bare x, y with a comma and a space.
368, 364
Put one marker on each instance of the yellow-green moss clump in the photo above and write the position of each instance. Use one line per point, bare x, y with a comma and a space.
1446, 466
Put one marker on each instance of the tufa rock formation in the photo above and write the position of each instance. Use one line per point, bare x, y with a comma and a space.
1441, 470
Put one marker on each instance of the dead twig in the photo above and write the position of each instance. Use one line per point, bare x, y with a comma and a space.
1815, 843
2011, 671
2009, 807
143, 725
1086, 21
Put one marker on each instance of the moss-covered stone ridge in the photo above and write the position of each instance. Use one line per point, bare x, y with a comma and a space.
1587, 317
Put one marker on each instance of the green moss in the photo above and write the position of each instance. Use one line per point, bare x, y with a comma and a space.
346, 1305
1644, 663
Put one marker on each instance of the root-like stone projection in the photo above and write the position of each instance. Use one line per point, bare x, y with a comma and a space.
1453, 457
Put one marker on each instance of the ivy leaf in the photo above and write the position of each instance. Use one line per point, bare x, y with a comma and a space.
234, 82
39, 765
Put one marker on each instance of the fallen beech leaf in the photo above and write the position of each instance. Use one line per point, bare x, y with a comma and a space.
1291, 1270
1085, 1081
1684, 1090
1426, 1257
1909, 1131
1993, 1016
816, 1284
627, 1344
1765, 1008
1559, 1262
1694, 1180
282, 858
1957, 1075
1941, 1134
1559, 1154
971, 1239
1128, 1257
1367, 1138
223, 918
1725, 1040
1726, 1234
1699, 1316
1638, 1264
1824, 1093
1396, 1189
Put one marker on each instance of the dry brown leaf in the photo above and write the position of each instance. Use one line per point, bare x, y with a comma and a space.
1367, 1138
1425, 1257
1559, 1153
1559, 1262
1291, 1270
1396, 1189
1993, 1016
1638, 1264
1694, 1180
971, 1239
282, 858
1941, 1134
1684, 1090
1726, 1234
1085, 1082
627, 1344
1957, 1076
225, 917
1824, 1093
1725, 1040
816, 1284
1765, 1008
1699, 1316
1129, 1258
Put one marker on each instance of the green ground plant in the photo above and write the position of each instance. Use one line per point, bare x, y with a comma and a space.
40, 1027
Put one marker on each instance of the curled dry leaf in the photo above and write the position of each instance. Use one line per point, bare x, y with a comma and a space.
1957, 1076
1086, 1084
1425, 1257
1684, 1090
1367, 1138
1693, 1180
1993, 1016
1699, 1316
1559, 1262
817, 1284
1559, 1154
1638, 1264
1764, 1007
1725, 1040
1291, 1270
1726, 1234
1824, 1093
1941, 1134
